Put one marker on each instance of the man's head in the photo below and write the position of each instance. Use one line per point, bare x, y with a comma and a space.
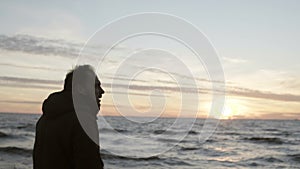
86, 82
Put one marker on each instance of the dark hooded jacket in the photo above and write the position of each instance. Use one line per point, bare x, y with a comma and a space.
61, 142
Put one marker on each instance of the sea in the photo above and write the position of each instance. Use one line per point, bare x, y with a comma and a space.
151, 143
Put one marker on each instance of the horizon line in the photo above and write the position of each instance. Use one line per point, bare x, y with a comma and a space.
201, 118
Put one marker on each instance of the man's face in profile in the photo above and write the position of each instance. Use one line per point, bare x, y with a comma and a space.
98, 91
90, 90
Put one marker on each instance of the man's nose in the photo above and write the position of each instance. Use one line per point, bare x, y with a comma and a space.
101, 90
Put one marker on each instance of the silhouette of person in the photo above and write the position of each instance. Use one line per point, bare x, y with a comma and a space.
61, 142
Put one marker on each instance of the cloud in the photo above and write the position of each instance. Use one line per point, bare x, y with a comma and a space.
244, 92
123, 78
54, 47
29, 80
291, 83
234, 60
32, 67
30, 83
140, 89
155, 72
144, 88
20, 102
134, 93
236, 91
32, 86
38, 45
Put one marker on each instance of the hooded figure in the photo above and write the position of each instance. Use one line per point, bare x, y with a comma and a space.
63, 139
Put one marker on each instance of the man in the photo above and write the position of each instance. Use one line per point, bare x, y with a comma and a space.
62, 139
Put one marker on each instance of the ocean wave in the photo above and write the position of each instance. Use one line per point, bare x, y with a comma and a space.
16, 135
270, 140
16, 150
271, 130
277, 132
27, 127
170, 140
294, 157
210, 141
163, 132
283, 133
156, 132
269, 159
2, 134
110, 130
189, 148
174, 161
232, 133
192, 132
261, 161
106, 155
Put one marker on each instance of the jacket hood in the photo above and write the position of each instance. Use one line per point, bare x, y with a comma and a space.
58, 104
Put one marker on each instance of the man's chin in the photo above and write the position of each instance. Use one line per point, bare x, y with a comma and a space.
98, 102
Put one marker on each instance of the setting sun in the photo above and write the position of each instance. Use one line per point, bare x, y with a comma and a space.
233, 109
227, 113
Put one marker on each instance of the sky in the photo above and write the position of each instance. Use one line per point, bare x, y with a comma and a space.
256, 42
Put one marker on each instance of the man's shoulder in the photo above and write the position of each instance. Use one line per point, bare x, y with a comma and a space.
55, 93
